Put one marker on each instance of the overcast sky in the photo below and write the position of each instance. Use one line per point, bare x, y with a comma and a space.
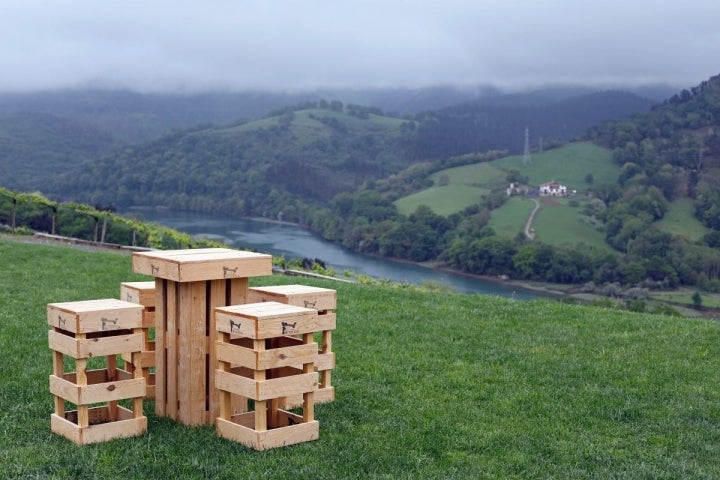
299, 44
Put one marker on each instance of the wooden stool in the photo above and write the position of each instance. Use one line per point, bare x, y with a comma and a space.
324, 300
259, 363
143, 293
96, 328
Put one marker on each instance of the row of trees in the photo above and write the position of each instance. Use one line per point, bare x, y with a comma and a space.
369, 222
33, 212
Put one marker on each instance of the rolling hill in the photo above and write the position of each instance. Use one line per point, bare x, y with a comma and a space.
276, 164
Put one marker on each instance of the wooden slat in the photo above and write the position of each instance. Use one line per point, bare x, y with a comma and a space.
265, 320
171, 342
101, 315
97, 347
98, 392
238, 431
202, 264
160, 348
142, 293
192, 353
299, 295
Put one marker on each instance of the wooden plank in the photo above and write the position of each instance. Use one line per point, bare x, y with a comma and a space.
227, 352
322, 395
271, 358
146, 358
160, 347
59, 402
218, 297
325, 361
265, 320
299, 295
97, 392
202, 264
192, 351
100, 429
148, 318
96, 347
327, 321
263, 440
237, 384
172, 357
284, 386
94, 315
120, 429
142, 293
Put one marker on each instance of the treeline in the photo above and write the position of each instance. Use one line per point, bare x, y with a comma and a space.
282, 167
28, 212
475, 127
369, 222
668, 153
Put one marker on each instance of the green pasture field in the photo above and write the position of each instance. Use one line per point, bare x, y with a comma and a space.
680, 220
478, 174
466, 186
568, 165
510, 218
685, 298
444, 200
428, 385
557, 223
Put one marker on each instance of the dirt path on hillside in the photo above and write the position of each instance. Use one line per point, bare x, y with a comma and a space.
529, 233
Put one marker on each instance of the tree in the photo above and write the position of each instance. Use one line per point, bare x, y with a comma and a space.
697, 300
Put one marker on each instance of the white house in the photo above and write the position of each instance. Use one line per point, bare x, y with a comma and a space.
553, 189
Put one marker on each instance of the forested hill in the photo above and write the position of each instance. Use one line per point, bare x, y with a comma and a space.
674, 148
296, 157
45, 133
490, 125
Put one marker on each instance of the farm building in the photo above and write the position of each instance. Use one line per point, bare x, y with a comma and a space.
553, 189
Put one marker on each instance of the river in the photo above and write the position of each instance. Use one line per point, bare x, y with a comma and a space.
291, 241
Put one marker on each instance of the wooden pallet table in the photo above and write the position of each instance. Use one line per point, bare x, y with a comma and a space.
143, 293
189, 284
87, 329
256, 360
324, 301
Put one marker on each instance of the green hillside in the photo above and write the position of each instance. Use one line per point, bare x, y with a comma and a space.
680, 220
560, 223
509, 220
295, 159
456, 188
444, 200
437, 385
568, 165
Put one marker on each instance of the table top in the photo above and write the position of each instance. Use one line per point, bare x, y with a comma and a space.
201, 264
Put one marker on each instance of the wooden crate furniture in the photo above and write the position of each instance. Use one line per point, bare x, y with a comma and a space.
189, 284
257, 359
143, 293
87, 329
324, 300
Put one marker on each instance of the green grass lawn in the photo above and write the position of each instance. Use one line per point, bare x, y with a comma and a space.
685, 297
557, 223
478, 174
465, 186
510, 218
680, 220
444, 200
428, 385
568, 165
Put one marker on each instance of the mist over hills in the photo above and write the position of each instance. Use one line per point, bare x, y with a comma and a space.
47, 133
